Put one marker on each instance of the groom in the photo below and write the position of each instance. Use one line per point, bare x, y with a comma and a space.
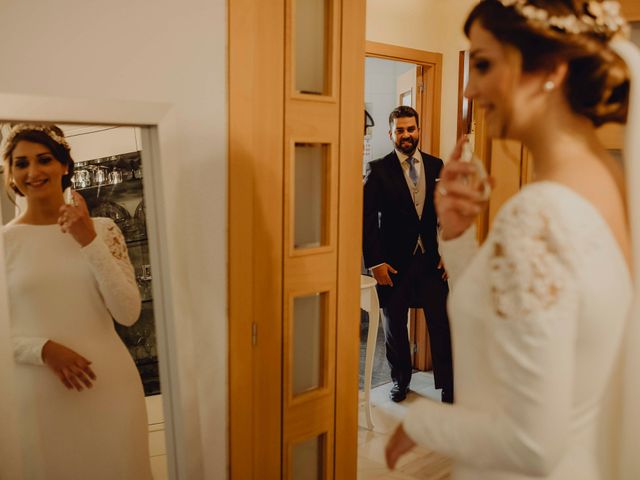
400, 247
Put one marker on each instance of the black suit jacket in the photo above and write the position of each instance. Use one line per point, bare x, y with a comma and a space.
391, 225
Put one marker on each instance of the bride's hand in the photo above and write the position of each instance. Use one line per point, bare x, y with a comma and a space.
457, 204
70, 367
399, 444
75, 220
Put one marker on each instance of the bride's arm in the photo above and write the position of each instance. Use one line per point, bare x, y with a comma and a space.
530, 343
112, 269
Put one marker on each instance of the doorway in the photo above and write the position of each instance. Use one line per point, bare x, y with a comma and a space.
396, 76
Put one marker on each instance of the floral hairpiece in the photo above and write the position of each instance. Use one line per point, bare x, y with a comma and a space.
29, 127
601, 17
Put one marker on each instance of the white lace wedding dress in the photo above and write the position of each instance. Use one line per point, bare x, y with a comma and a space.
69, 294
537, 318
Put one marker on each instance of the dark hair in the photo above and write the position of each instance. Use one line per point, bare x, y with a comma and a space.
403, 112
60, 152
597, 83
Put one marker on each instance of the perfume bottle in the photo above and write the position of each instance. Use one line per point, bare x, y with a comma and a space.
478, 180
68, 197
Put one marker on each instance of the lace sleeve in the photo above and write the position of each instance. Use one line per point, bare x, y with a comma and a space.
531, 339
110, 263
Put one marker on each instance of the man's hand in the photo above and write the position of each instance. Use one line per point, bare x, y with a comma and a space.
381, 274
445, 275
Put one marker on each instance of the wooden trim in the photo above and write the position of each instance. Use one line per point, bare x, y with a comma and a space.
461, 128
329, 198
332, 32
422, 358
432, 77
631, 10
483, 152
526, 167
255, 236
349, 239
402, 54
434, 96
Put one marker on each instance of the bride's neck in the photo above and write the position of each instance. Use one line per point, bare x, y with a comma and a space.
564, 146
42, 212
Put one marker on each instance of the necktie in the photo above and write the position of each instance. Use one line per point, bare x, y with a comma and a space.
413, 171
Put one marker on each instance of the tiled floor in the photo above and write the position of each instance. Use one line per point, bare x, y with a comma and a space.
417, 464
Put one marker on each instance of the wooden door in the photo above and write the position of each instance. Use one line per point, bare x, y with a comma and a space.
296, 75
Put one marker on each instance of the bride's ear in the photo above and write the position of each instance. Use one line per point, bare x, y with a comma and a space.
555, 76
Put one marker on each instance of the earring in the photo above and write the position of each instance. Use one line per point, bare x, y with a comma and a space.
548, 86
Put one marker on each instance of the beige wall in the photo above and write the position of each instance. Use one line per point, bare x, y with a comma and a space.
432, 25
164, 51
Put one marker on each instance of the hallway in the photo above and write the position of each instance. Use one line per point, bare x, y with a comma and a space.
418, 464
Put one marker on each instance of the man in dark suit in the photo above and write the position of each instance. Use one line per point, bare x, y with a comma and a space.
400, 246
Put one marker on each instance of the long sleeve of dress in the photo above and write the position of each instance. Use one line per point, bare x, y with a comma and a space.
110, 264
531, 336
458, 252
28, 349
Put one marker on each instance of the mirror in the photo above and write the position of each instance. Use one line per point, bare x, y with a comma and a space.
82, 289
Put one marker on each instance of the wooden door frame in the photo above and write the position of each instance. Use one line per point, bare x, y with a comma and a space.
429, 102
432, 64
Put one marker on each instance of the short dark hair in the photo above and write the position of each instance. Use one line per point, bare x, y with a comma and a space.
403, 112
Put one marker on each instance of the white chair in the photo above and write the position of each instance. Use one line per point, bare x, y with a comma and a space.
369, 302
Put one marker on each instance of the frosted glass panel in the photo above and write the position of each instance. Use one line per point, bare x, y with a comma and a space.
311, 46
309, 194
308, 460
307, 343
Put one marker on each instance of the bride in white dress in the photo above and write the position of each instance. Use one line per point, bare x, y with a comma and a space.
539, 311
82, 409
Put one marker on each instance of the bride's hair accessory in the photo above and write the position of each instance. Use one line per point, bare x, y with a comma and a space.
601, 18
54, 133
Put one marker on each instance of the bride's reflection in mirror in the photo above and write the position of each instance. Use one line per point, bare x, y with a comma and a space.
70, 276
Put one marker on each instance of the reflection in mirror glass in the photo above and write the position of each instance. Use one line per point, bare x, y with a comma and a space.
80, 298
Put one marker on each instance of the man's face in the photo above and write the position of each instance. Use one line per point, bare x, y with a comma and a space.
405, 134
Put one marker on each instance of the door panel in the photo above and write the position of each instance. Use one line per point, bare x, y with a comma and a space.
295, 70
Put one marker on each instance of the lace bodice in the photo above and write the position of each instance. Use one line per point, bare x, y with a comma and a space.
537, 316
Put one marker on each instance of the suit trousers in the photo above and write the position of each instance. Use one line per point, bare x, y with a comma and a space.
420, 285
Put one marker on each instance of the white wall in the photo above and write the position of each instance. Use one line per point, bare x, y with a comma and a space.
164, 51
380, 91
431, 25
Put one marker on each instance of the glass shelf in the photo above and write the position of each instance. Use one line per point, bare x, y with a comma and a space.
125, 185
125, 198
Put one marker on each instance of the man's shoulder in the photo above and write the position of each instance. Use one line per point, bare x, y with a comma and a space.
430, 158
379, 162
